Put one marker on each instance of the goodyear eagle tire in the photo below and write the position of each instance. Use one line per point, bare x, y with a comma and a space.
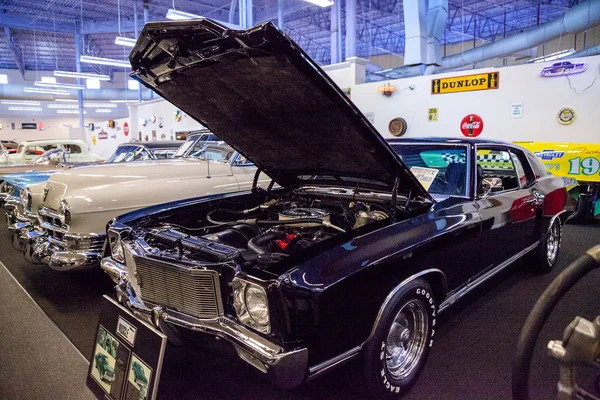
398, 349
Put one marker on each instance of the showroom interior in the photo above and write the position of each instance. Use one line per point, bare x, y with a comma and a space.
299, 199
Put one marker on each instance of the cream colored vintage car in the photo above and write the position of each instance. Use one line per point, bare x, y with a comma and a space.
76, 151
78, 203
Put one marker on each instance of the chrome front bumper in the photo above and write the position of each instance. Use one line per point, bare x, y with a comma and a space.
57, 256
114, 269
286, 368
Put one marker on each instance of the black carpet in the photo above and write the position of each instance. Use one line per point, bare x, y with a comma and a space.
471, 358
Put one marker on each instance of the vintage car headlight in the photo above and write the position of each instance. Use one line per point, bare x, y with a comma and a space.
116, 246
26, 199
251, 305
64, 212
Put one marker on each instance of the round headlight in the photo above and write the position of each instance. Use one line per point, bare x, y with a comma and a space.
257, 304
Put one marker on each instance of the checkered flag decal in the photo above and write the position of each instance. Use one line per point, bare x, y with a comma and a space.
493, 161
452, 158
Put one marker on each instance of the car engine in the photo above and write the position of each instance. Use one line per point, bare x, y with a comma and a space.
265, 234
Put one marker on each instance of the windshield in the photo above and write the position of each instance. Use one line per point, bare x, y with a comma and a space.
129, 153
56, 155
214, 154
440, 169
195, 144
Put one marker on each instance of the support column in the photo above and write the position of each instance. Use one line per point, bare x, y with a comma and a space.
335, 31
351, 28
249, 15
136, 33
145, 22
79, 81
242, 13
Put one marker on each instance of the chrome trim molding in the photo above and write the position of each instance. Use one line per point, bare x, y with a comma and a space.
325, 366
457, 294
396, 289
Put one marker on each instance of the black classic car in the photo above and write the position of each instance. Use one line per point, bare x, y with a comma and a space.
350, 254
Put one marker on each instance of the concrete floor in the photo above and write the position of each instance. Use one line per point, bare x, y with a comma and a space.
471, 358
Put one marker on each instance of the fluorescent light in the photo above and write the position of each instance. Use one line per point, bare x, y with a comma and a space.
67, 100
104, 105
25, 102
103, 110
321, 3
133, 85
58, 85
125, 41
177, 15
552, 56
104, 61
44, 90
69, 111
25, 108
82, 75
92, 83
123, 101
48, 79
3, 79
62, 106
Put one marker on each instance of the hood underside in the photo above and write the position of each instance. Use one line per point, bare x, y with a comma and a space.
259, 92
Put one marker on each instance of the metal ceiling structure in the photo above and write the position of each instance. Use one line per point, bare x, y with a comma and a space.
40, 35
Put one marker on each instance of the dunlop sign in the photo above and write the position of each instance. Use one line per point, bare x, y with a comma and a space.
466, 83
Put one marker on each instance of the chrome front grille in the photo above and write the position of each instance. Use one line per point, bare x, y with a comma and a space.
189, 290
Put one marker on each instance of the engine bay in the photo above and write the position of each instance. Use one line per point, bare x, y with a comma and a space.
266, 233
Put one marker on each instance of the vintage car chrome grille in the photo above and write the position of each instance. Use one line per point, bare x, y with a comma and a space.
189, 290
51, 218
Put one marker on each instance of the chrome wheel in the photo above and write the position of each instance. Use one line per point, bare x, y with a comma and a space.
553, 243
406, 339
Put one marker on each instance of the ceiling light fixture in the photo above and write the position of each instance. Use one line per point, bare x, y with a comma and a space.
25, 108
100, 105
104, 61
125, 41
62, 106
177, 15
82, 75
103, 110
22, 102
67, 100
58, 85
69, 111
123, 101
321, 3
46, 91
552, 56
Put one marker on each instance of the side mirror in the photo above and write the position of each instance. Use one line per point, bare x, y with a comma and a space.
491, 185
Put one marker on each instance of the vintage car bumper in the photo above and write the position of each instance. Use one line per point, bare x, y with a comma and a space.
61, 250
114, 269
286, 368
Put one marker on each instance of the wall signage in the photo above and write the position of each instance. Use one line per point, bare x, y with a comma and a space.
471, 125
111, 123
103, 135
397, 126
126, 129
94, 140
516, 110
466, 83
432, 114
386, 89
28, 125
563, 68
566, 116
177, 115
91, 126
12, 126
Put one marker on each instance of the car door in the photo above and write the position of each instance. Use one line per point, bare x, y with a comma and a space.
506, 204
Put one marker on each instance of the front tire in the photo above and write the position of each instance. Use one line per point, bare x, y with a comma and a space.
398, 350
544, 256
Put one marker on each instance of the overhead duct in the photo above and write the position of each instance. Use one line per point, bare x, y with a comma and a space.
15, 92
415, 32
590, 51
579, 18
437, 14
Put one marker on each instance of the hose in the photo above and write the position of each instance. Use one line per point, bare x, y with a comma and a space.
256, 242
300, 221
540, 313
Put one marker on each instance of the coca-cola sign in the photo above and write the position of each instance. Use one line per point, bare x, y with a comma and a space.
471, 125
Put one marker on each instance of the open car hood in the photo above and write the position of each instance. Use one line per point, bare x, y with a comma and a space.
263, 95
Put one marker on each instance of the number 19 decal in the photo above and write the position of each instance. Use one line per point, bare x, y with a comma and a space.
588, 166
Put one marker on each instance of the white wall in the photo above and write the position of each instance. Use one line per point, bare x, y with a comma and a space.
164, 112
542, 98
54, 127
105, 147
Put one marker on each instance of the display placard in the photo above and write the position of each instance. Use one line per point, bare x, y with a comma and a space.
466, 83
128, 356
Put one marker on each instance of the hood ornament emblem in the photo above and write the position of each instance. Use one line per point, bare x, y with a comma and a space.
46, 190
